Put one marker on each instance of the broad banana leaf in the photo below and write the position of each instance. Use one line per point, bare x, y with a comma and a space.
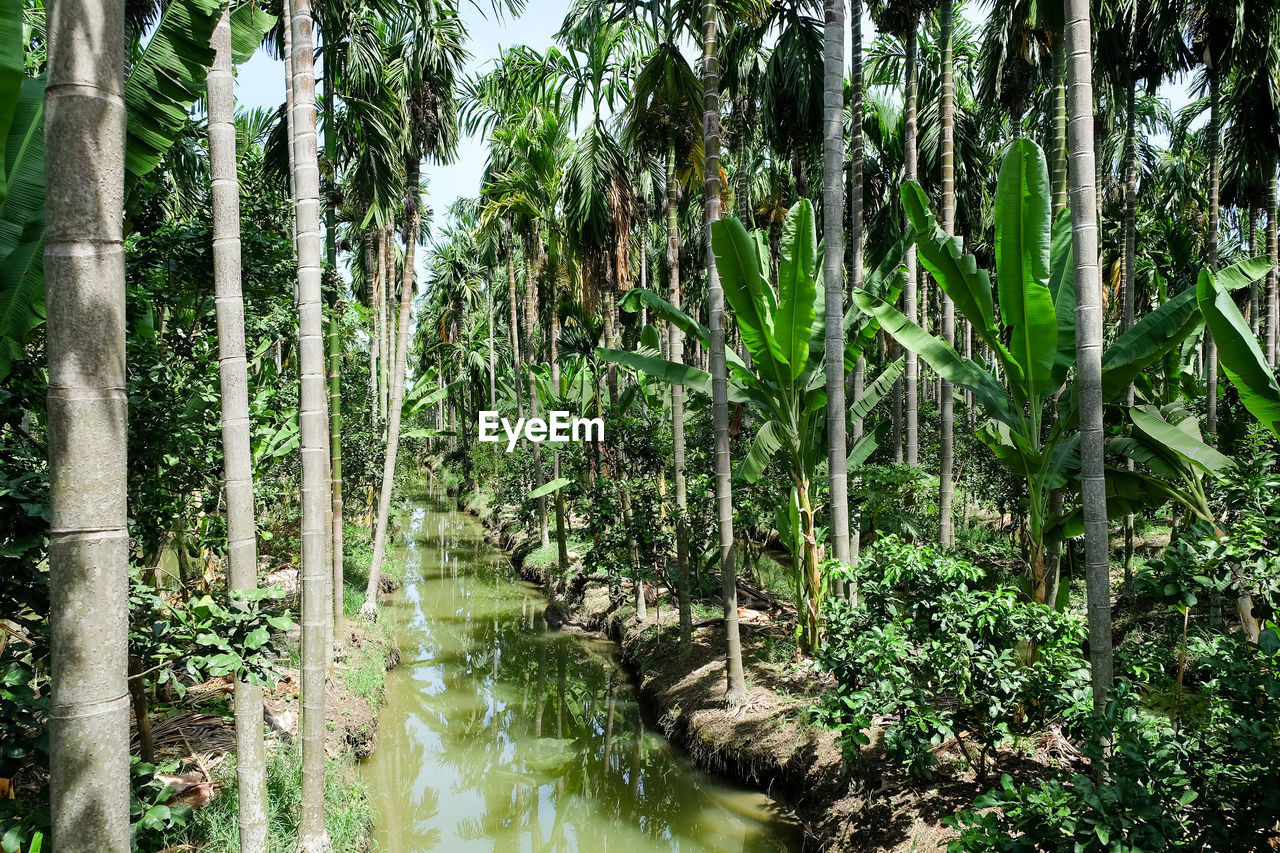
1128, 492
865, 446
1062, 288
659, 368
944, 360
1182, 438
763, 446
1151, 455
884, 283
793, 324
873, 393
1238, 352
955, 270
738, 263
1147, 341
638, 297
1022, 224
547, 488
22, 214
249, 25
12, 68
167, 80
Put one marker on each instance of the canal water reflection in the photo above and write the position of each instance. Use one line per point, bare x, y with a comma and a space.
500, 735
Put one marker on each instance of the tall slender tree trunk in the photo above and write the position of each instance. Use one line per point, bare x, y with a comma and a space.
1255, 314
389, 300
676, 347
242, 547
854, 246
84, 133
335, 452
316, 494
373, 269
335, 354
369, 609
833, 269
493, 380
1215, 183
515, 329
1058, 175
946, 397
1128, 286
1088, 284
530, 325
911, 383
1273, 251
735, 681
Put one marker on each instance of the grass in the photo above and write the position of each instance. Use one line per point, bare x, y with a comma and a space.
348, 806
365, 672
357, 558
549, 555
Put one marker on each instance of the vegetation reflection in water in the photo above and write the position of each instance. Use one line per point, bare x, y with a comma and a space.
499, 735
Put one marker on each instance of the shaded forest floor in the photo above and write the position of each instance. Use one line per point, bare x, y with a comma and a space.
197, 732
862, 803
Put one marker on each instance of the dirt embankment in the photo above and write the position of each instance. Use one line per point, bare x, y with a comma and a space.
767, 742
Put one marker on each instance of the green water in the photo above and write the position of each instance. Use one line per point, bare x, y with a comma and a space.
499, 735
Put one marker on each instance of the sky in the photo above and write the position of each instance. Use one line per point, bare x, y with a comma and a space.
260, 82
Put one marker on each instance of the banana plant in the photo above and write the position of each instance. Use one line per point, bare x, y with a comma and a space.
1239, 354
165, 79
1032, 338
784, 385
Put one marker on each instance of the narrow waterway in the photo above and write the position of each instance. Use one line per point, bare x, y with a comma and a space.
499, 735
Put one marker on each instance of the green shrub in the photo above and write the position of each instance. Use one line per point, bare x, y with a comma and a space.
937, 655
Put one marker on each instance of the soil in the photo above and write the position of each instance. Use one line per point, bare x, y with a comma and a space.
863, 804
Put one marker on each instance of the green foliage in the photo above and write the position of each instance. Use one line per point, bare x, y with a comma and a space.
934, 651
348, 807
207, 638
1157, 786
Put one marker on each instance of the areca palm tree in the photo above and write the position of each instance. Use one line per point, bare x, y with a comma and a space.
664, 109
312, 417
833, 269
242, 551
901, 19
88, 539
426, 54
946, 416
1088, 299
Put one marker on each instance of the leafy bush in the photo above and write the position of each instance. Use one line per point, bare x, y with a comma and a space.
934, 655
1159, 785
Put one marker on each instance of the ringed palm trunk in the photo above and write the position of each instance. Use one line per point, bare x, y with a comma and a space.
677, 407
1127, 293
242, 553
335, 455
854, 247
946, 414
911, 379
515, 330
1215, 182
369, 609
735, 681
1058, 176
1088, 284
833, 270
84, 135
316, 494
1273, 250
380, 289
